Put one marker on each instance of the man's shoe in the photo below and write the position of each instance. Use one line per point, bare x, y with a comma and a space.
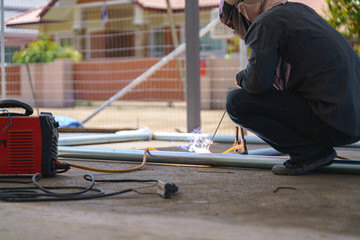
291, 167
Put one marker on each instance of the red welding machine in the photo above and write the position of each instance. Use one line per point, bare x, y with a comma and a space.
28, 144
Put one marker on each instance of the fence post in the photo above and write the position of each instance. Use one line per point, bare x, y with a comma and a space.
192, 64
3, 80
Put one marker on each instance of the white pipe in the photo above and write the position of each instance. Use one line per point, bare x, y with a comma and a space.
354, 145
177, 51
3, 76
165, 136
161, 136
115, 138
212, 159
136, 136
265, 151
103, 138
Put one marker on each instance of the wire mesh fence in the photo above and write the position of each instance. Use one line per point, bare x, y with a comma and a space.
68, 57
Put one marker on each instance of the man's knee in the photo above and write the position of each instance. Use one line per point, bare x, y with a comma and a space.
235, 99
235, 106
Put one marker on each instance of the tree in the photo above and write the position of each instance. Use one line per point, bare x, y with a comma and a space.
45, 50
344, 15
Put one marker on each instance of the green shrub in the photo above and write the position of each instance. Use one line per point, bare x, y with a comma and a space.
45, 50
344, 15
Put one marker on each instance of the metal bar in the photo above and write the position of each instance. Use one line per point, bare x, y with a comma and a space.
107, 138
164, 136
212, 159
32, 88
265, 151
240, 147
160, 136
192, 64
150, 71
184, 137
3, 76
135, 136
103, 138
354, 145
217, 128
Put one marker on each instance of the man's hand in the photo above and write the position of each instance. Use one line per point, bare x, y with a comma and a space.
237, 84
238, 79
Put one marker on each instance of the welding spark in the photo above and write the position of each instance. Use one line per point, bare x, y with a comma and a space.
197, 143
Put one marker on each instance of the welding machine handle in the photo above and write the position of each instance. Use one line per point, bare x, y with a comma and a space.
10, 103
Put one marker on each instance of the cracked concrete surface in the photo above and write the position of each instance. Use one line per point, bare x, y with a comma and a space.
212, 203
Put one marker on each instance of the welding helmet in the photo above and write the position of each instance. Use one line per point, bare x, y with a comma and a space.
233, 18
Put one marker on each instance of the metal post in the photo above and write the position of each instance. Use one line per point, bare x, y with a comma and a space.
3, 80
192, 64
32, 88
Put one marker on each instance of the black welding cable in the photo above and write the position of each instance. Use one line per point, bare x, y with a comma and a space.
46, 189
18, 193
126, 181
41, 193
34, 197
15, 179
44, 197
87, 178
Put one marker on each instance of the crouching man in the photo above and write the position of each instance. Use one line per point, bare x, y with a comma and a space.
300, 91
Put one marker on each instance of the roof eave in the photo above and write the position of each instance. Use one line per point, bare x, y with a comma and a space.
37, 20
15, 25
182, 9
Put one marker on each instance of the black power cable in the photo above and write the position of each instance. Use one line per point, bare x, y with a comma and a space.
44, 193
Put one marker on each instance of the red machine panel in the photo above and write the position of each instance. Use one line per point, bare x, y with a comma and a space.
20, 145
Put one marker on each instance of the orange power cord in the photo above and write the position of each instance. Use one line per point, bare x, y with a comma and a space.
117, 170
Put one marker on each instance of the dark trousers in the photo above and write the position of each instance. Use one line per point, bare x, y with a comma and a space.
285, 121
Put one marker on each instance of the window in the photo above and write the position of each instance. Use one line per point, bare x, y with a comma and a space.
9, 52
156, 45
207, 44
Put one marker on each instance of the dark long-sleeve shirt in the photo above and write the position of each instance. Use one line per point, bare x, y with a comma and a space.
322, 66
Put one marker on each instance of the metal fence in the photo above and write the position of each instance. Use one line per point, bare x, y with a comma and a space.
119, 41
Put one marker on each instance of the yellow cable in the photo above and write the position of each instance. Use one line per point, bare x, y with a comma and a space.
341, 157
116, 170
229, 150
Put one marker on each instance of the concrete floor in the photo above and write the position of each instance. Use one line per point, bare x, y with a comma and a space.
212, 203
